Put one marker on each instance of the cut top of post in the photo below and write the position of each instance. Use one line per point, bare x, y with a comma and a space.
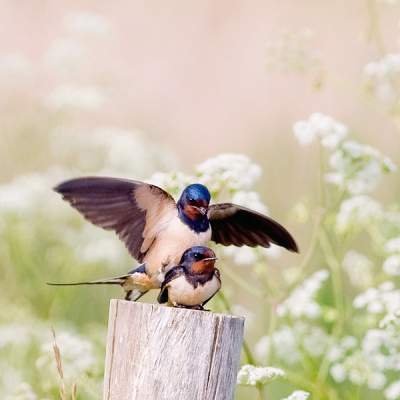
157, 352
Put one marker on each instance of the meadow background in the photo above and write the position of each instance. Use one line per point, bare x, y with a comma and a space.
289, 107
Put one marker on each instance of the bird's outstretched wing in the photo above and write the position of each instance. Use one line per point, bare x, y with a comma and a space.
237, 225
169, 276
136, 211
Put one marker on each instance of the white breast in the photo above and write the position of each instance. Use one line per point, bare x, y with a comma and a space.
180, 291
169, 246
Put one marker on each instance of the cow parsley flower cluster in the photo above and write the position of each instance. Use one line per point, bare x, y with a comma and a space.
250, 375
381, 77
357, 168
78, 358
359, 268
368, 361
298, 395
292, 52
322, 127
358, 212
89, 24
15, 69
71, 96
231, 172
301, 301
383, 299
392, 263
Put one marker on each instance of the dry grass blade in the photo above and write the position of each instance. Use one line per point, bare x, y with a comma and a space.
57, 355
74, 389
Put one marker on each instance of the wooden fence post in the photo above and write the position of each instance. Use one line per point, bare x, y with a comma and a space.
163, 353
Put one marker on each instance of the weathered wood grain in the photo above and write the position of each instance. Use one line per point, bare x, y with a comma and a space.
163, 353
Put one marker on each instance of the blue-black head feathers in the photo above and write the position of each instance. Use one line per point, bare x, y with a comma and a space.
195, 254
195, 194
193, 207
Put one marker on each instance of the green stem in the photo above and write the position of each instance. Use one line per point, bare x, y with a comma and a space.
246, 348
374, 27
241, 282
319, 390
336, 276
318, 223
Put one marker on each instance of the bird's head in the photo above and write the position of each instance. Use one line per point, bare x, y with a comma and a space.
194, 201
199, 259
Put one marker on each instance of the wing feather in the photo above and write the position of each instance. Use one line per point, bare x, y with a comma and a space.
173, 273
237, 225
124, 206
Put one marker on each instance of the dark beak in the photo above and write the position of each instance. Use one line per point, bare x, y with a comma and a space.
203, 210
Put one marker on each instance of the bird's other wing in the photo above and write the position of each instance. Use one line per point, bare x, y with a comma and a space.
136, 211
237, 225
169, 276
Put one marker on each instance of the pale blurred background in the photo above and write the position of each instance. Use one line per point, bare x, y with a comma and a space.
197, 78
194, 75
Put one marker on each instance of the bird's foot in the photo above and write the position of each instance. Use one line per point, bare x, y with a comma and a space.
198, 307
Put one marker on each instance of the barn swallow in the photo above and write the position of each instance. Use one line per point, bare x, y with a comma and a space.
157, 230
193, 282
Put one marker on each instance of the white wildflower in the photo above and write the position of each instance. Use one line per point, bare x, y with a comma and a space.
359, 268
286, 345
250, 375
88, 24
15, 69
381, 74
338, 351
392, 392
357, 212
380, 348
232, 172
376, 380
241, 311
28, 193
250, 200
315, 340
330, 132
65, 56
298, 395
262, 348
393, 245
68, 97
95, 249
173, 183
14, 333
23, 391
112, 151
378, 300
338, 372
242, 256
390, 319
77, 356
388, 165
358, 168
291, 52
301, 301
392, 265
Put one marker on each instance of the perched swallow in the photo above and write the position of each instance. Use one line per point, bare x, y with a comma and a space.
193, 281
156, 230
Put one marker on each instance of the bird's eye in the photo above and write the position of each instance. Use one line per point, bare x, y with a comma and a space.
196, 255
191, 200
